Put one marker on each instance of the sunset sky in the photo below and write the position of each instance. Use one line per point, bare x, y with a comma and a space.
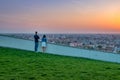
60, 16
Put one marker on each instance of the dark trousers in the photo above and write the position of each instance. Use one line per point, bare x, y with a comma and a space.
36, 46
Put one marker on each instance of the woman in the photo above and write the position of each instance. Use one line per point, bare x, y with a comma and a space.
44, 43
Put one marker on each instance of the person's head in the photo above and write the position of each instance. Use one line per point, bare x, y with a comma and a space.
44, 36
36, 32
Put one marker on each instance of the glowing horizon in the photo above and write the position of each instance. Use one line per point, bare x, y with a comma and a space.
60, 16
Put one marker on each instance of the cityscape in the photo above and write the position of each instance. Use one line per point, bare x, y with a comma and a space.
100, 42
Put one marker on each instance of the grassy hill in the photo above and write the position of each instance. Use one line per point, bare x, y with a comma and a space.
26, 65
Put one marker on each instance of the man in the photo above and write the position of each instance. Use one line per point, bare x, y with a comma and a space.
36, 37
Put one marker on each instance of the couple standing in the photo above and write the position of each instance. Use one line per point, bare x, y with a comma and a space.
43, 43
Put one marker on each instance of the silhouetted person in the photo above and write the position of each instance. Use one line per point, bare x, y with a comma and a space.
36, 37
44, 43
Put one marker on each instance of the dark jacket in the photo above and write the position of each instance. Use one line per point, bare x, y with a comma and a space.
36, 37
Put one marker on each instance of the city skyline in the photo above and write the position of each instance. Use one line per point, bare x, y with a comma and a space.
60, 16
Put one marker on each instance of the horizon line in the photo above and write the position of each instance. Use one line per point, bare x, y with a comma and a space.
60, 33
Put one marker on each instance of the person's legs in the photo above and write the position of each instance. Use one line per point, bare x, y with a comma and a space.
42, 49
36, 46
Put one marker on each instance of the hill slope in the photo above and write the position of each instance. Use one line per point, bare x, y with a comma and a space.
26, 65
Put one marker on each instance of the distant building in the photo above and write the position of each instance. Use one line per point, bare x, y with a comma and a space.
73, 44
115, 50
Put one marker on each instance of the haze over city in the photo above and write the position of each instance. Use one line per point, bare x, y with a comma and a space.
60, 16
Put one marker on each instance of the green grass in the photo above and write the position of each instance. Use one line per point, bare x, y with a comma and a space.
26, 65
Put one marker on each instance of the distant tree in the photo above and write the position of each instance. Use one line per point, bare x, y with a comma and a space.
118, 52
90, 48
83, 44
99, 47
